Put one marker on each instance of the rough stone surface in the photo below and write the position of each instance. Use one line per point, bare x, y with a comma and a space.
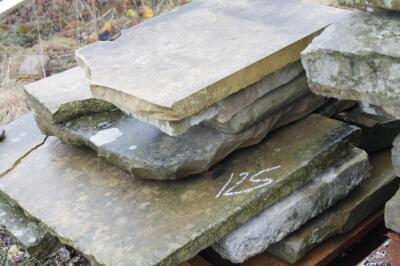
287, 215
146, 152
358, 59
396, 155
119, 220
372, 5
172, 80
32, 235
224, 110
64, 96
22, 136
392, 213
361, 203
270, 103
379, 129
33, 67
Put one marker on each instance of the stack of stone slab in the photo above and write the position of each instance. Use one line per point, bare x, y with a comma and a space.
175, 95
359, 59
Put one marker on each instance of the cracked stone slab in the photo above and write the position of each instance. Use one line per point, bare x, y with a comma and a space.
379, 129
145, 152
291, 212
64, 96
342, 218
224, 110
372, 5
358, 59
119, 220
22, 136
171, 73
392, 213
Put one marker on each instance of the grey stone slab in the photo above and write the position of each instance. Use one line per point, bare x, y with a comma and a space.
146, 152
64, 96
278, 99
290, 213
362, 202
372, 5
22, 135
224, 110
119, 220
379, 129
396, 155
187, 60
358, 59
392, 213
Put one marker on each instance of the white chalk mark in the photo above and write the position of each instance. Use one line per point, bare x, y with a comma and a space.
105, 136
245, 177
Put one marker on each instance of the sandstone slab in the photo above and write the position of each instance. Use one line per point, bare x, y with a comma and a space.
146, 152
288, 214
392, 213
358, 59
119, 220
372, 5
187, 60
361, 203
22, 136
64, 96
378, 128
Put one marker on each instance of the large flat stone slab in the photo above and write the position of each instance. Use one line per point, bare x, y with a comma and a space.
146, 152
372, 5
64, 96
187, 60
358, 59
288, 214
21, 137
392, 213
379, 129
361, 203
119, 220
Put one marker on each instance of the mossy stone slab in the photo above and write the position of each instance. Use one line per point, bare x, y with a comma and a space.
361, 203
64, 96
146, 152
372, 5
21, 136
117, 220
358, 58
175, 65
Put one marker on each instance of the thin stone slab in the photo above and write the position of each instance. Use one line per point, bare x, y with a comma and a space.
358, 59
392, 213
372, 5
119, 220
379, 129
187, 60
146, 152
344, 216
223, 111
22, 136
64, 96
288, 214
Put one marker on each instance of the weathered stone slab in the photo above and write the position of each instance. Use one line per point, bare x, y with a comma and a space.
146, 152
32, 235
120, 220
64, 96
223, 111
372, 5
22, 136
361, 203
288, 214
358, 59
392, 213
172, 73
379, 129
270, 103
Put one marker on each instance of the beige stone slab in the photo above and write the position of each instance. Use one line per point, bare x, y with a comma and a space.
179, 63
